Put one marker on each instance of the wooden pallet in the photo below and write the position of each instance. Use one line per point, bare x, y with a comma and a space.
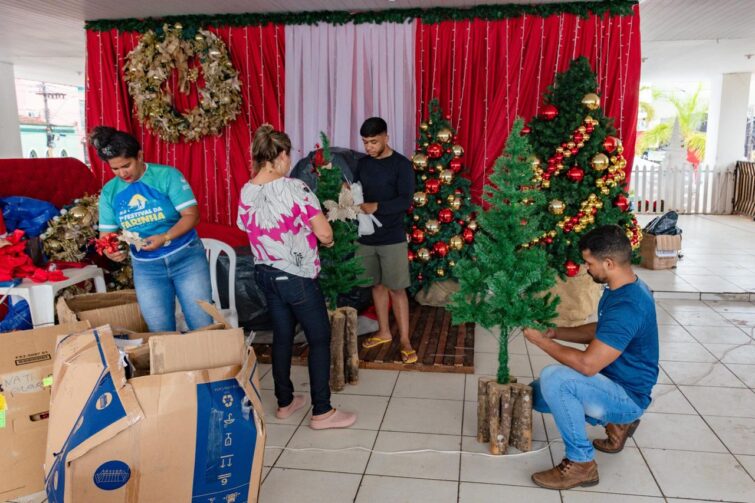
440, 346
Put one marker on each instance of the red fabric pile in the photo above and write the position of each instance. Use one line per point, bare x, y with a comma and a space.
15, 263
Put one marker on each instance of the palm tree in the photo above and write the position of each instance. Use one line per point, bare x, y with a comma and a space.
691, 112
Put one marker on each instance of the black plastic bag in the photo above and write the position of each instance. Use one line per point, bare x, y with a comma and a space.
344, 158
665, 225
250, 300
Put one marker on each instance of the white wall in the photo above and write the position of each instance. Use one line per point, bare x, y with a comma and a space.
10, 135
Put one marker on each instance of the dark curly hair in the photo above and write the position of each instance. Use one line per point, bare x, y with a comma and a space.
608, 241
110, 143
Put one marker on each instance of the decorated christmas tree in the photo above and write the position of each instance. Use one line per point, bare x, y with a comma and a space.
579, 166
441, 219
503, 284
340, 268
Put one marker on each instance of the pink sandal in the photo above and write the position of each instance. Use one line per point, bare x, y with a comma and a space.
334, 419
288, 410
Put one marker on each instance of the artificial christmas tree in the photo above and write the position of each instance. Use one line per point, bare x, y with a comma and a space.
503, 285
580, 167
441, 219
340, 268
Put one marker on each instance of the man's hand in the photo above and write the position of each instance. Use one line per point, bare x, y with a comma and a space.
535, 336
369, 208
154, 242
118, 256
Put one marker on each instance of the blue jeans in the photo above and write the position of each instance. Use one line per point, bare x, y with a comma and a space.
185, 274
291, 298
574, 398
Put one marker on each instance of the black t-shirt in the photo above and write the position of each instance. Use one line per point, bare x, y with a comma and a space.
390, 183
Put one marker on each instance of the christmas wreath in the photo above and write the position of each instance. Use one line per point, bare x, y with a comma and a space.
150, 65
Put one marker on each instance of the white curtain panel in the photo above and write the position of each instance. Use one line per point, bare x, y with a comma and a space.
338, 76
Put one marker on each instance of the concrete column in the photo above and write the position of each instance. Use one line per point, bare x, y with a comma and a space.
10, 134
727, 119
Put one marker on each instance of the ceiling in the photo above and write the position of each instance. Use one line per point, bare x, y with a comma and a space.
682, 39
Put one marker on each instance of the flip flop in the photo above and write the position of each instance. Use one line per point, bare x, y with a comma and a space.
373, 342
408, 357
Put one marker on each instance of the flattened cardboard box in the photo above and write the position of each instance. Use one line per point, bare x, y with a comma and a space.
25, 373
660, 252
179, 435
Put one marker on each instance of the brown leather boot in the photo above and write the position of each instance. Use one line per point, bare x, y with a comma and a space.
617, 437
568, 474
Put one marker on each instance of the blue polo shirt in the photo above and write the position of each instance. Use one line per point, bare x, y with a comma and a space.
627, 322
149, 206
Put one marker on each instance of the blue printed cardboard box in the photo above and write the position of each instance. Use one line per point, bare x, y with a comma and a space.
190, 431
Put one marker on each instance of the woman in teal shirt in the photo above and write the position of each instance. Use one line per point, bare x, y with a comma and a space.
157, 203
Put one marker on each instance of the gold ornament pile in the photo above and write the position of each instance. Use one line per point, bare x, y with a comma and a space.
68, 235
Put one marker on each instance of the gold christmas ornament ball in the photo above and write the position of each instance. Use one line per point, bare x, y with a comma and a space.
456, 204
440, 168
605, 191
423, 177
552, 234
599, 162
579, 228
423, 254
452, 263
582, 129
420, 199
534, 161
440, 272
545, 184
592, 198
446, 177
600, 183
450, 198
78, 212
456, 242
444, 135
424, 126
599, 204
457, 150
570, 144
585, 220
416, 218
472, 224
526, 245
420, 161
556, 207
567, 153
591, 101
432, 226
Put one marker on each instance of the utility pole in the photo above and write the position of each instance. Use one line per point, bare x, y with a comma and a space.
48, 125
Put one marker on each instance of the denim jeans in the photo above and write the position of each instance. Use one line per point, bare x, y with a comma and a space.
292, 298
185, 274
574, 399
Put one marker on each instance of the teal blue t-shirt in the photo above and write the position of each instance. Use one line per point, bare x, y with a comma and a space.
627, 322
148, 206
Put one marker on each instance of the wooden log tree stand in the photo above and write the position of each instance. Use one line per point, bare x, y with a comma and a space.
344, 348
504, 415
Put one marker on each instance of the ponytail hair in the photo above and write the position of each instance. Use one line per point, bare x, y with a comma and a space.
110, 143
268, 144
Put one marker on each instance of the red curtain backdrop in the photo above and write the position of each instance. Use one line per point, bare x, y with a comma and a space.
486, 73
216, 167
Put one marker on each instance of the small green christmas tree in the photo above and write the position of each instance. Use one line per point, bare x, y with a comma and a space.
504, 284
340, 270
579, 165
441, 223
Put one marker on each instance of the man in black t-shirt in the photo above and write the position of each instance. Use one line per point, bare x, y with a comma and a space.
387, 179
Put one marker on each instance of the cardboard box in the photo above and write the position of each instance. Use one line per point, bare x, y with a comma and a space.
26, 360
660, 252
193, 430
118, 309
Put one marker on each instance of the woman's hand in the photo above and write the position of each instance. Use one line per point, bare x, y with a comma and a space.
118, 256
154, 242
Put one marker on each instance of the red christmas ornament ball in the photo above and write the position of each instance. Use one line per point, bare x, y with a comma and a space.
432, 186
446, 216
434, 150
441, 248
610, 144
525, 130
411, 255
418, 236
571, 268
468, 235
578, 137
456, 165
621, 202
548, 240
575, 174
550, 112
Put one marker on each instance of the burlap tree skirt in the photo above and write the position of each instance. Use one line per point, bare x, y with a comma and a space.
504, 415
344, 348
579, 299
438, 294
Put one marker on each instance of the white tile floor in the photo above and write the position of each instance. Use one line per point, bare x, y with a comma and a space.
696, 442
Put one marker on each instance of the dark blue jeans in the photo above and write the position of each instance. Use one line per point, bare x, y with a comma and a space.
291, 298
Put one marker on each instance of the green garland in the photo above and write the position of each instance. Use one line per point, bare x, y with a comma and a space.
428, 16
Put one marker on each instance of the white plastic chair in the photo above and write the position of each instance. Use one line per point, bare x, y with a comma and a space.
214, 248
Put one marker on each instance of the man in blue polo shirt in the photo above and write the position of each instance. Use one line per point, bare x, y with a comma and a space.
610, 381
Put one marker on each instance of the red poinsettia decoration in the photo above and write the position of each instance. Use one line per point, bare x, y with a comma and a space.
15, 263
107, 243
